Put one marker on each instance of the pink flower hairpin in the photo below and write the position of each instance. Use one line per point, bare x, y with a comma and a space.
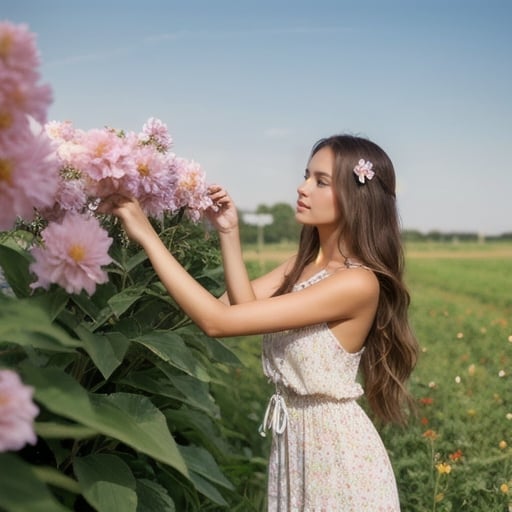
363, 170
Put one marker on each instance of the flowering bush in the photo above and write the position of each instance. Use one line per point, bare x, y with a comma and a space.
127, 420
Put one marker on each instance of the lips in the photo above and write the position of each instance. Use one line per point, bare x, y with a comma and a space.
302, 205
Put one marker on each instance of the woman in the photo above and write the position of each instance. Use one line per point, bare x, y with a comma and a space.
339, 304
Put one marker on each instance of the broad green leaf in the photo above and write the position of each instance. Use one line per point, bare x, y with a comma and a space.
84, 302
207, 489
15, 265
196, 392
153, 497
21, 490
24, 323
152, 381
131, 419
52, 302
100, 349
120, 302
107, 482
214, 348
169, 346
197, 427
52, 430
135, 260
201, 461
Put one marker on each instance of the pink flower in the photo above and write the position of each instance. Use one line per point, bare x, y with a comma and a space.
363, 170
28, 177
154, 183
104, 155
72, 256
155, 132
191, 188
19, 91
17, 412
18, 50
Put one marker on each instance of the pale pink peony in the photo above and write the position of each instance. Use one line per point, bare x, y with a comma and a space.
17, 412
18, 49
191, 188
155, 132
61, 131
29, 174
104, 155
154, 182
19, 91
72, 256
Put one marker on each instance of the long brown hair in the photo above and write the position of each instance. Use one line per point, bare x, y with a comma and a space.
370, 225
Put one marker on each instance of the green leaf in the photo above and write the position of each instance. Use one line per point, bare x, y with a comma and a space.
120, 302
207, 489
21, 490
107, 482
153, 497
15, 265
196, 392
53, 430
23, 323
100, 348
169, 346
215, 349
135, 260
196, 427
52, 302
131, 419
201, 462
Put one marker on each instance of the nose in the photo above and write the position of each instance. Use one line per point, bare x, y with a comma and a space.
302, 188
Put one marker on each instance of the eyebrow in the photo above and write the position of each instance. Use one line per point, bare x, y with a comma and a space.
319, 174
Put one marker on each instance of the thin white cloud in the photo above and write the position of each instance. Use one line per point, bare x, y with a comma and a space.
226, 34
277, 133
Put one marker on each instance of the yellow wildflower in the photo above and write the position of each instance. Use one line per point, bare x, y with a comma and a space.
443, 468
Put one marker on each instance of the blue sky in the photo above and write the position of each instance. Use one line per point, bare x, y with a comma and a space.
246, 88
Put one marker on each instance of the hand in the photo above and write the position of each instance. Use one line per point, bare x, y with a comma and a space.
134, 220
223, 215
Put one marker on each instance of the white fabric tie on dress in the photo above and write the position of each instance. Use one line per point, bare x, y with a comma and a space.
276, 416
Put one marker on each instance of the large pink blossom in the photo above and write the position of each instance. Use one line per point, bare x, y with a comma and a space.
17, 412
73, 254
105, 155
29, 174
19, 90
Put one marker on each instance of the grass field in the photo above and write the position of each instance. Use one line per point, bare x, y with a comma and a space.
456, 455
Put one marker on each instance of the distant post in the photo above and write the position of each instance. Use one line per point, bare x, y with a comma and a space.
260, 220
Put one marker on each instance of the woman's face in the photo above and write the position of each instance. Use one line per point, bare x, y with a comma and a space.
316, 204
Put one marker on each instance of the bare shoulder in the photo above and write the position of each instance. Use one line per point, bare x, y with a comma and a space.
359, 284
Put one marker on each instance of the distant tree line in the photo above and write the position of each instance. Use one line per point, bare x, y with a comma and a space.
286, 229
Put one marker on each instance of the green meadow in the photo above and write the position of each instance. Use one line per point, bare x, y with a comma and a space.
456, 452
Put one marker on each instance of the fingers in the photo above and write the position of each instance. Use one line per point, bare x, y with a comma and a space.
112, 203
218, 195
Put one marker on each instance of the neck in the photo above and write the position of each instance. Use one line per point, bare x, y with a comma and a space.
331, 252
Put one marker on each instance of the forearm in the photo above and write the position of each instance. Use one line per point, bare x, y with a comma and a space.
200, 305
238, 284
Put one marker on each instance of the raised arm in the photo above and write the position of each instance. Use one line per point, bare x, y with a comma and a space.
239, 287
343, 296
225, 220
